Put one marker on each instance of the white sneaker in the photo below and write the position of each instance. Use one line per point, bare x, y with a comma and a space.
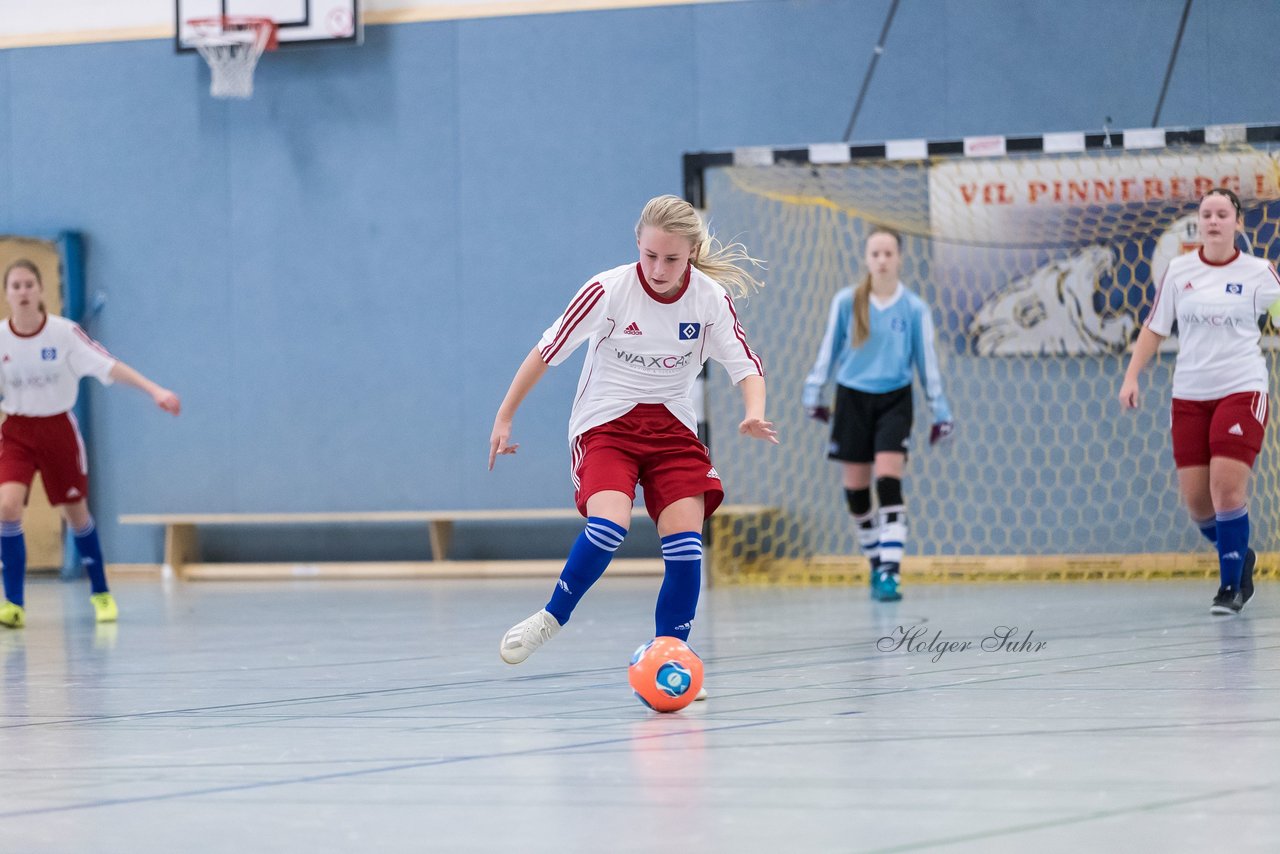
523, 638
702, 694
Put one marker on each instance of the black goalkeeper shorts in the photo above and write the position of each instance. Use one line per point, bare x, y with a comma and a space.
866, 424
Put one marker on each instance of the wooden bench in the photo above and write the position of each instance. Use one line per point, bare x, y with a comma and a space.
182, 544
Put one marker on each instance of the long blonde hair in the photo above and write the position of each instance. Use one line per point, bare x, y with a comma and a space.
724, 263
862, 295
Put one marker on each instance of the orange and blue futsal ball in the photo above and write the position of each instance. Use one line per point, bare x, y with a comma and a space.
665, 674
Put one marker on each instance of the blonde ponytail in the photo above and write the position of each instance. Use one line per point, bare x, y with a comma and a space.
862, 312
725, 263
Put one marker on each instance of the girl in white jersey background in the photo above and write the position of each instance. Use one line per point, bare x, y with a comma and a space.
1220, 407
649, 327
876, 335
42, 358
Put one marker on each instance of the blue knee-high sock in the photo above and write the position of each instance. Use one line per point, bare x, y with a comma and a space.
588, 558
678, 598
13, 554
1209, 528
1233, 542
91, 556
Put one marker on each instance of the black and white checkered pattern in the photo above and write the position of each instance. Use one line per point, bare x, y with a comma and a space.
696, 163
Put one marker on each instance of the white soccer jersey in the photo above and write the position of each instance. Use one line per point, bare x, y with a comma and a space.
40, 373
644, 347
1217, 307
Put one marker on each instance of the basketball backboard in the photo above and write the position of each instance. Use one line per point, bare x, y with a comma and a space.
300, 22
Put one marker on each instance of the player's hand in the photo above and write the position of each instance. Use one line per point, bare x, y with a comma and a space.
758, 428
167, 400
818, 413
1129, 394
941, 431
498, 441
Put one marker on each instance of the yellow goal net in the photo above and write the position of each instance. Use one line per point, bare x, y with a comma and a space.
1039, 269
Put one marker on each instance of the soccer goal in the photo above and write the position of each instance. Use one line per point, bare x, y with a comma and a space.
1039, 257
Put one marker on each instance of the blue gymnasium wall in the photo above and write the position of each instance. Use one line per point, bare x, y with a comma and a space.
341, 275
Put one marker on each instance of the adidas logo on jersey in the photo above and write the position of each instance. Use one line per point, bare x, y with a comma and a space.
713, 473
1188, 286
1235, 430
633, 329
73, 493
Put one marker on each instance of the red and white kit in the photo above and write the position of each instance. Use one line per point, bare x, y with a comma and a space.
1220, 405
40, 380
645, 349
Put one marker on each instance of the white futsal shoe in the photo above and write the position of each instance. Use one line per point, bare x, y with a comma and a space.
523, 638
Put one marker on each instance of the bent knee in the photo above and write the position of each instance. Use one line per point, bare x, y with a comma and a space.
13, 501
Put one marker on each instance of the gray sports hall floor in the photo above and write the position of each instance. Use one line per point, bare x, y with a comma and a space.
325, 716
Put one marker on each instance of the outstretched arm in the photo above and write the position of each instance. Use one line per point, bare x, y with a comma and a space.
530, 371
165, 399
753, 423
1143, 349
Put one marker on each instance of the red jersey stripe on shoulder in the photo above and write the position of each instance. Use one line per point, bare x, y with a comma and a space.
581, 301
579, 309
75, 327
1272, 271
573, 315
742, 337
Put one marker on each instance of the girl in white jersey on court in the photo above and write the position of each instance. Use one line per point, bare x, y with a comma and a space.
877, 335
649, 328
1220, 407
42, 358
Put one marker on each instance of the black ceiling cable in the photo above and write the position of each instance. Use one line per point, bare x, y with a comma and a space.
1173, 58
871, 69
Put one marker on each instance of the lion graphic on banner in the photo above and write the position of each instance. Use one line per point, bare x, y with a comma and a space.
1051, 311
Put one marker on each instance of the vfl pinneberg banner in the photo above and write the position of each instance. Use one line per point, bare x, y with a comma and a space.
1059, 255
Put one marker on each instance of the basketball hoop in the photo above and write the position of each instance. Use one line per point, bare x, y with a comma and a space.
231, 44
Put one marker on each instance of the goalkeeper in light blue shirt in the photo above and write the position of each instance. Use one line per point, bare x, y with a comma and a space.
877, 334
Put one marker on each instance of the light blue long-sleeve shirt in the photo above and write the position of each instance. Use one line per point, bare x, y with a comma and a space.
901, 339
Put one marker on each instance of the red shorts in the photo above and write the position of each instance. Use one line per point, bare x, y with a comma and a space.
1231, 426
649, 446
51, 445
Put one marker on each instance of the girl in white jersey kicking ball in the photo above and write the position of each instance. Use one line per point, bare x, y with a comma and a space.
42, 359
877, 334
1220, 408
650, 327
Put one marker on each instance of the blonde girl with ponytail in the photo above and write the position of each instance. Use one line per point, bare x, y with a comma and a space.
649, 326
